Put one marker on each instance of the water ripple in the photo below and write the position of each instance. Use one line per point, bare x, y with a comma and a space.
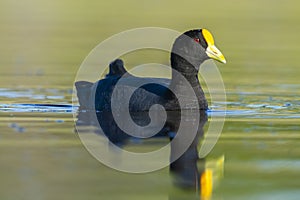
57, 108
239, 104
216, 111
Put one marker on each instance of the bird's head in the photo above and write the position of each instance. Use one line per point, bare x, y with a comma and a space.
204, 38
196, 46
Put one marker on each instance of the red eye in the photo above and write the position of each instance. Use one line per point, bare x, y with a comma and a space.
197, 40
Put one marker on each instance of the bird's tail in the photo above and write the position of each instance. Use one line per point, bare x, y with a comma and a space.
84, 89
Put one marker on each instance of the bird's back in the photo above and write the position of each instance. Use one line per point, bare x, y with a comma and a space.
127, 89
145, 92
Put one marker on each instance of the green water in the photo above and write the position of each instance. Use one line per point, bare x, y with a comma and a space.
44, 43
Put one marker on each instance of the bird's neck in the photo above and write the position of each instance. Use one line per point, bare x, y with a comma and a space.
185, 81
179, 81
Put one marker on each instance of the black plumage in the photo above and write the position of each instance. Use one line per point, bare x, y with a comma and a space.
188, 53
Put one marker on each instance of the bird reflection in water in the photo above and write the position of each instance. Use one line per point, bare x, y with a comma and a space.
192, 177
195, 177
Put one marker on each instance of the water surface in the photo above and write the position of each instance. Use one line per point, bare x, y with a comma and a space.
43, 44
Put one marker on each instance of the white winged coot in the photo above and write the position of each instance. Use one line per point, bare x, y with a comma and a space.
189, 51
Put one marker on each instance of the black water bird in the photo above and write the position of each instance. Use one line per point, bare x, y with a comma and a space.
189, 51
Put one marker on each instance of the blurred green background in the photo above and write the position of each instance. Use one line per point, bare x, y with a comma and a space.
42, 44
51, 38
